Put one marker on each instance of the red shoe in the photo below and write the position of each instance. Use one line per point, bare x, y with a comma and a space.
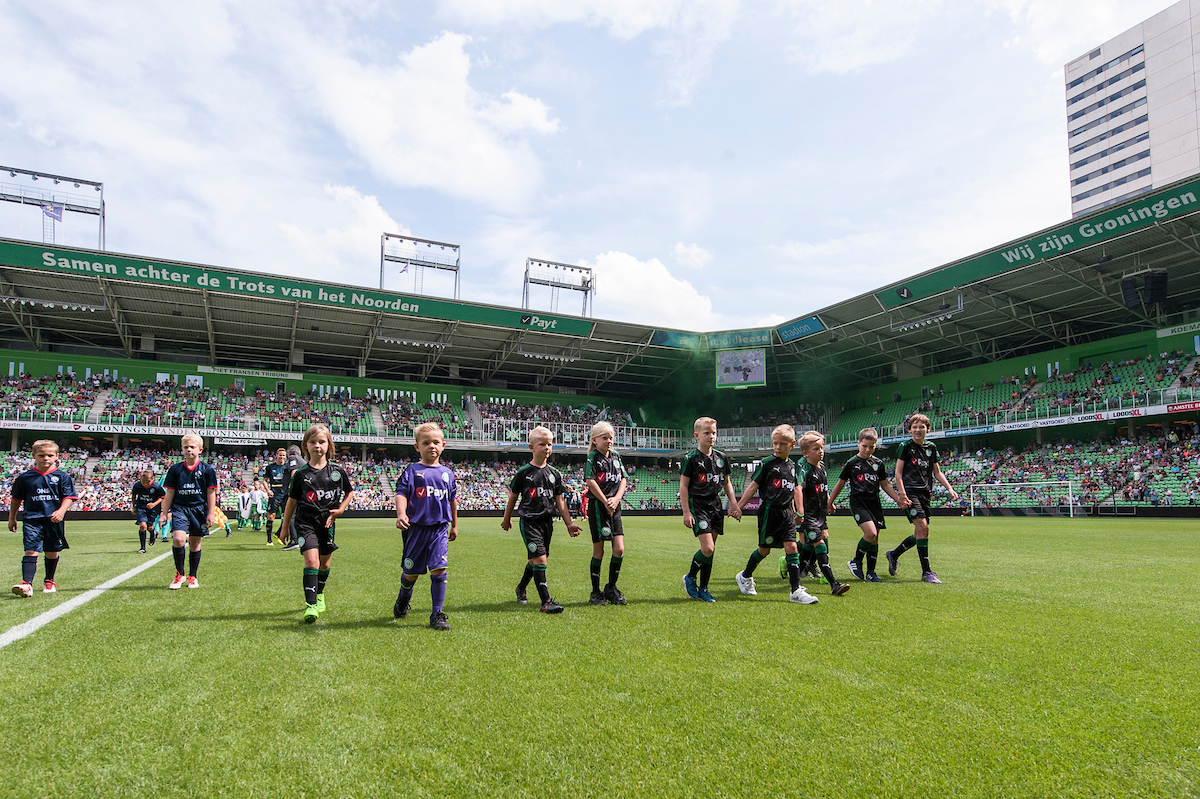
23, 589
191, 581
177, 582
49, 587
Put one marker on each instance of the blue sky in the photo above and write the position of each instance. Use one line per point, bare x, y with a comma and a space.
721, 164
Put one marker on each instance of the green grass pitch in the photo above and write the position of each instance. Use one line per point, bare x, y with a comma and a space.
1058, 659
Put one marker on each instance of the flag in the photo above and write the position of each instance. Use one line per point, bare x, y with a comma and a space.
53, 211
403, 269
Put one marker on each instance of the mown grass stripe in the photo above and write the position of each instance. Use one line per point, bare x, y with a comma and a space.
40, 621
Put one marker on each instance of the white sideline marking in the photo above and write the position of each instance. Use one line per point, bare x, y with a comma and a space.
40, 621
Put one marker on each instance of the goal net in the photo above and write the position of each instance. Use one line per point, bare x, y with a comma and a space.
1049, 498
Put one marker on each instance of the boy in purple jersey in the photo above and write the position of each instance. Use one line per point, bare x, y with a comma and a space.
427, 512
47, 494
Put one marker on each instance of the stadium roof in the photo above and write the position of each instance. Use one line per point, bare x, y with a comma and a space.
1055, 288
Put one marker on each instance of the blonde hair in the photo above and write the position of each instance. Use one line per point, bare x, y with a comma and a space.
703, 421
599, 429
541, 432
313, 432
918, 417
44, 443
787, 431
186, 437
427, 427
868, 433
810, 438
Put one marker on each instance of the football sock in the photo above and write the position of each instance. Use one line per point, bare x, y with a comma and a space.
614, 569
310, 586
793, 569
322, 578
872, 556
142, 538
270, 528
539, 582
822, 553
923, 554
268, 534
595, 566
861, 551
752, 564
697, 564
705, 568
28, 568
179, 556
808, 559
407, 582
905, 545
437, 590
525, 578
51, 567
193, 563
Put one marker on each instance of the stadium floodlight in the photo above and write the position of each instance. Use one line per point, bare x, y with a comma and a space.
54, 202
558, 276
548, 356
945, 313
73, 306
437, 345
419, 255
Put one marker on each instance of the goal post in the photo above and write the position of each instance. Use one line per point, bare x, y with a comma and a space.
1042, 498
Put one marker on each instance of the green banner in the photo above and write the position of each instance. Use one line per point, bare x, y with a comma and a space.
739, 338
246, 284
1138, 213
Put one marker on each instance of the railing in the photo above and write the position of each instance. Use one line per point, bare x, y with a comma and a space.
517, 432
44, 415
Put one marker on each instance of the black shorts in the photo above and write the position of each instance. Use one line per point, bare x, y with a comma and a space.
276, 502
776, 528
43, 535
604, 526
867, 509
190, 520
147, 516
919, 509
536, 533
812, 531
313, 536
707, 518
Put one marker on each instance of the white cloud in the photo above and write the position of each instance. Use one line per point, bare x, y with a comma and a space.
851, 34
645, 292
692, 255
349, 231
1061, 31
691, 30
421, 124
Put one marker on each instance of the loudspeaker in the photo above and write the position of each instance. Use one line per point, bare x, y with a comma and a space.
1129, 292
1155, 289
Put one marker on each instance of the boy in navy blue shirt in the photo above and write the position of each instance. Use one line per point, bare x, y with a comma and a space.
427, 512
47, 494
190, 503
147, 500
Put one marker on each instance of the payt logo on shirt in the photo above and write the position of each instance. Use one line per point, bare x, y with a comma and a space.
777, 483
532, 493
702, 478
311, 496
420, 492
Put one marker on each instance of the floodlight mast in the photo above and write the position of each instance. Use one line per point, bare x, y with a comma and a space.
420, 254
558, 276
51, 198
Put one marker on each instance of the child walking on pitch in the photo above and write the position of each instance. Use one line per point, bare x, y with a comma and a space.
273, 477
916, 469
866, 475
258, 505
814, 492
47, 494
147, 501
605, 478
190, 504
703, 476
536, 492
775, 482
427, 512
318, 495
243, 500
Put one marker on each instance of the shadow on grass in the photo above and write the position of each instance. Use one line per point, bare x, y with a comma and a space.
270, 616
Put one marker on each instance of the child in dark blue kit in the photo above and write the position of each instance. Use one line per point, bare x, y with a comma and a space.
190, 504
47, 494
